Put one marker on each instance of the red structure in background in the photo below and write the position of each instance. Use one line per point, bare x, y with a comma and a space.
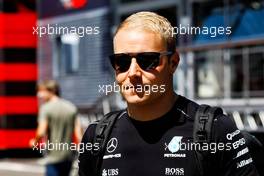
18, 74
74, 4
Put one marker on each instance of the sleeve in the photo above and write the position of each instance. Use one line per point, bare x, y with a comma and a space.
43, 113
235, 158
85, 156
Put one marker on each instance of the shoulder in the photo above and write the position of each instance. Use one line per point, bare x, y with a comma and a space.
68, 104
191, 106
223, 124
226, 129
186, 106
45, 107
90, 131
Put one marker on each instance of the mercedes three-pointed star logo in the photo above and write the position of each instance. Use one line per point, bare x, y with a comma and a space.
112, 145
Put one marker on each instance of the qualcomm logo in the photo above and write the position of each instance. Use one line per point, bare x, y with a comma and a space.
174, 144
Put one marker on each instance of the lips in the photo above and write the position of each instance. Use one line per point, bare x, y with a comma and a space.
136, 87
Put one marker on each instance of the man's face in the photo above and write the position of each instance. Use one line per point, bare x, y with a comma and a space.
43, 94
136, 41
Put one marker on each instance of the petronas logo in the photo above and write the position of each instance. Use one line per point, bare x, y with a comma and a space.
174, 144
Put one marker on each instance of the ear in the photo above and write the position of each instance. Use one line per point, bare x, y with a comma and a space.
174, 61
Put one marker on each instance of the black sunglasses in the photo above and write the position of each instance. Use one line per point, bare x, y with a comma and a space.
146, 60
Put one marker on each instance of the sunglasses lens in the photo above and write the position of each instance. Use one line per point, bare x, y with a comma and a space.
148, 61
120, 62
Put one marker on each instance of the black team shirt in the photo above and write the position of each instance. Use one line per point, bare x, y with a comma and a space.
164, 147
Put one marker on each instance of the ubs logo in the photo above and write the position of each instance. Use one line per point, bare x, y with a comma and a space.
73, 4
112, 145
110, 172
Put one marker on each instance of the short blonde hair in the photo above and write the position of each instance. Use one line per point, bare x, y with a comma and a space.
153, 22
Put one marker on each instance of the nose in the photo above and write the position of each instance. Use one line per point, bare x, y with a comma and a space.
134, 69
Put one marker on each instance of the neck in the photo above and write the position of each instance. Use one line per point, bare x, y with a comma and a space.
152, 110
54, 98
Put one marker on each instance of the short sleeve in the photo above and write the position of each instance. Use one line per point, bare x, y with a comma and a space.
43, 113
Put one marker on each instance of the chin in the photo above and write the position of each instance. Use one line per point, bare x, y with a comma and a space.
136, 100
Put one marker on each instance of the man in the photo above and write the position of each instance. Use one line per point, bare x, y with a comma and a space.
145, 138
57, 119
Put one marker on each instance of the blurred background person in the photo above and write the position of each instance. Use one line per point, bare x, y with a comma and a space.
58, 121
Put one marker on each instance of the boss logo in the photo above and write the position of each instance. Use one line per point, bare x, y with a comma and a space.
174, 171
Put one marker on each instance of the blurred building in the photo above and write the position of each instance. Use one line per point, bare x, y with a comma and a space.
221, 44
227, 70
78, 61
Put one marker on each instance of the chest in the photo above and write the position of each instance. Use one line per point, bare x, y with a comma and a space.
130, 153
